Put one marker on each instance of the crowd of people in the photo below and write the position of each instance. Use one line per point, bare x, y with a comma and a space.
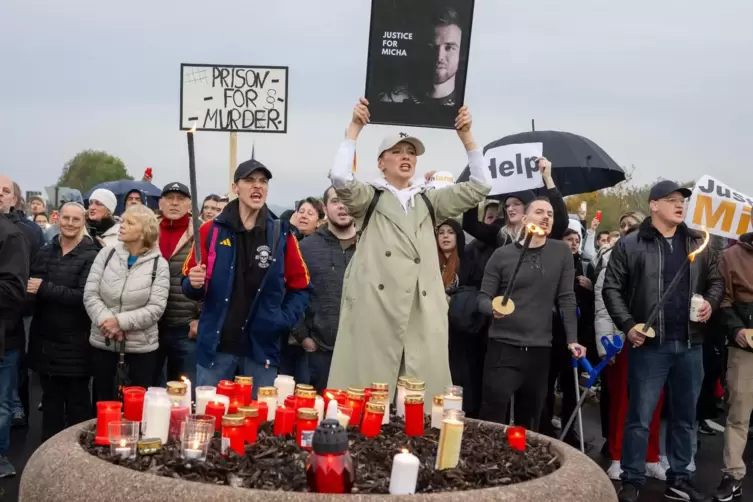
375, 281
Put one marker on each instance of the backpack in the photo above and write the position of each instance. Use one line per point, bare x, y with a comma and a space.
464, 317
375, 200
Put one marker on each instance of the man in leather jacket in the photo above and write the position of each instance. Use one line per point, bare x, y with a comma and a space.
640, 269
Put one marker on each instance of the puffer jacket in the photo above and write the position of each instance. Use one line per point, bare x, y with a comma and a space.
180, 309
111, 235
603, 325
136, 297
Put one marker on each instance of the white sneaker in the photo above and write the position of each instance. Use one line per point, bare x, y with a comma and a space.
656, 470
664, 462
614, 470
691, 466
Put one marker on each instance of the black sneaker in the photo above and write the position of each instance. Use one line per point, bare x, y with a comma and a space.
628, 493
728, 489
683, 490
705, 430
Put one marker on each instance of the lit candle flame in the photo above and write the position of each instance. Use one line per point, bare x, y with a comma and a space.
329, 395
533, 228
405, 450
193, 129
185, 379
123, 443
195, 445
700, 249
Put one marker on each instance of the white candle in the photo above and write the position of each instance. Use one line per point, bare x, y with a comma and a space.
437, 411
157, 417
219, 398
400, 401
123, 450
343, 419
271, 406
404, 474
191, 454
386, 416
204, 395
187, 398
450, 440
319, 406
285, 387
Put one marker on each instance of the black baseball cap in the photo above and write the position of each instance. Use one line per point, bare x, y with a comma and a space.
245, 169
177, 187
666, 187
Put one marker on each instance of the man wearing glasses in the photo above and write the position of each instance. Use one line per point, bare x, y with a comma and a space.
641, 267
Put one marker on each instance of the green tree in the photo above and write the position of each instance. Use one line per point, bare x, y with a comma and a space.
89, 168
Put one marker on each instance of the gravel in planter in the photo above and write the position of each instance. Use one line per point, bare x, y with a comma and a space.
276, 463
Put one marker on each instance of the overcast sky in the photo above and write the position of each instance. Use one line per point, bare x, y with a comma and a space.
665, 85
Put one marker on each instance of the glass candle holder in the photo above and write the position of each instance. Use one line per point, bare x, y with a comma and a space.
123, 437
188, 398
133, 403
149, 446
107, 411
195, 435
437, 412
216, 409
516, 437
244, 388
234, 434
371, 425
356, 401
414, 416
204, 394
157, 416
268, 395
226, 388
453, 398
285, 385
251, 418
284, 421
450, 439
305, 425
305, 398
176, 391
344, 413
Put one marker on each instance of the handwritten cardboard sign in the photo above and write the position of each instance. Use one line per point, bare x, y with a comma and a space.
234, 98
722, 210
513, 168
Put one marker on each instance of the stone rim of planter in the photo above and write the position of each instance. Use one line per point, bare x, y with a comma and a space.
61, 470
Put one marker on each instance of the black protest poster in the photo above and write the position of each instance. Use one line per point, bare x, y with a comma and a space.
418, 61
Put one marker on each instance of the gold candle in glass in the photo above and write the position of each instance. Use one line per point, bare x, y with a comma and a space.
450, 439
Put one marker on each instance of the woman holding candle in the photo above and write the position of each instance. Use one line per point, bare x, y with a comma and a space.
59, 347
125, 296
397, 323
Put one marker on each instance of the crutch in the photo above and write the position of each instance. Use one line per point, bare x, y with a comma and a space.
612, 347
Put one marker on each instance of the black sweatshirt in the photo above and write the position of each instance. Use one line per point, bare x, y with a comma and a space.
546, 276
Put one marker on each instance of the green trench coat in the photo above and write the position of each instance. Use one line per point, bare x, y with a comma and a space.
393, 317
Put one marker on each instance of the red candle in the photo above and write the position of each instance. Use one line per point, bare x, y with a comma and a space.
375, 387
414, 416
244, 386
330, 394
371, 425
263, 410
234, 405
305, 425
226, 388
216, 409
251, 419
356, 402
133, 403
284, 421
107, 411
234, 433
305, 398
290, 402
178, 415
516, 437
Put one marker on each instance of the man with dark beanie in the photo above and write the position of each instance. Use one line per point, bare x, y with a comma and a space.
176, 356
520, 342
641, 267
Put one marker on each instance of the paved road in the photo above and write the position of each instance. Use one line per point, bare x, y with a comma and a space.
708, 460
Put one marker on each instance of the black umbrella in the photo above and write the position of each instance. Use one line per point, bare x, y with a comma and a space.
122, 379
578, 164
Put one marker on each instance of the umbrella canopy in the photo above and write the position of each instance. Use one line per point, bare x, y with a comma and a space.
578, 164
150, 194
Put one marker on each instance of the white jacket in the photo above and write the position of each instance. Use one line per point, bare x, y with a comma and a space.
603, 325
111, 236
131, 296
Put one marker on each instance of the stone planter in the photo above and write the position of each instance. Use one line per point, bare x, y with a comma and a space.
61, 471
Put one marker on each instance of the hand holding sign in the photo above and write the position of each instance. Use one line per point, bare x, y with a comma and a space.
463, 124
361, 117
517, 167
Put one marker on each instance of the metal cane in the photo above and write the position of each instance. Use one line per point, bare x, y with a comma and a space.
512, 409
577, 396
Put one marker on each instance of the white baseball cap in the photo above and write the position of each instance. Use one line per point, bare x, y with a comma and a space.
394, 139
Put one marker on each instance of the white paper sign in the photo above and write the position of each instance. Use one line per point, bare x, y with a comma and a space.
723, 211
513, 168
234, 98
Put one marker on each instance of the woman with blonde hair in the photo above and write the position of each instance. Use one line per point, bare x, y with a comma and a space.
125, 296
59, 335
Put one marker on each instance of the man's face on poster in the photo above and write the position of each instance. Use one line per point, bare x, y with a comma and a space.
446, 47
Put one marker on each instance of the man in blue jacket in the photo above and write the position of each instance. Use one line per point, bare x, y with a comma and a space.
253, 282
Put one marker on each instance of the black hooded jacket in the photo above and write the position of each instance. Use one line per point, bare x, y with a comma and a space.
14, 276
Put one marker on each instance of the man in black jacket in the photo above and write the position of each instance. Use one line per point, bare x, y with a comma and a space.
14, 276
640, 269
327, 254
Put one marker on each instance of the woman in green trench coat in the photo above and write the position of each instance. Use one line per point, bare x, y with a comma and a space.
393, 318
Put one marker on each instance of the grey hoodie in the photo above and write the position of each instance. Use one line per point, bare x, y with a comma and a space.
326, 261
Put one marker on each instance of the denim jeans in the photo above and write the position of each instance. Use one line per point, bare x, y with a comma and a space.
8, 382
226, 366
319, 363
176, 356
294, 362
22, 384
649, 368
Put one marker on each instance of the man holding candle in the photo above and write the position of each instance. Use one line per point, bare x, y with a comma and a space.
518, 343
641, 268
253, 282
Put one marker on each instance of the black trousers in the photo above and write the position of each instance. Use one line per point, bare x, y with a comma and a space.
511, 370
319, 363
104, 366
66, 401
560, 368
713, 366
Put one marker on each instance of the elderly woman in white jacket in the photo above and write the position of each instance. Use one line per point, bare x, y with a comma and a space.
125, 296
